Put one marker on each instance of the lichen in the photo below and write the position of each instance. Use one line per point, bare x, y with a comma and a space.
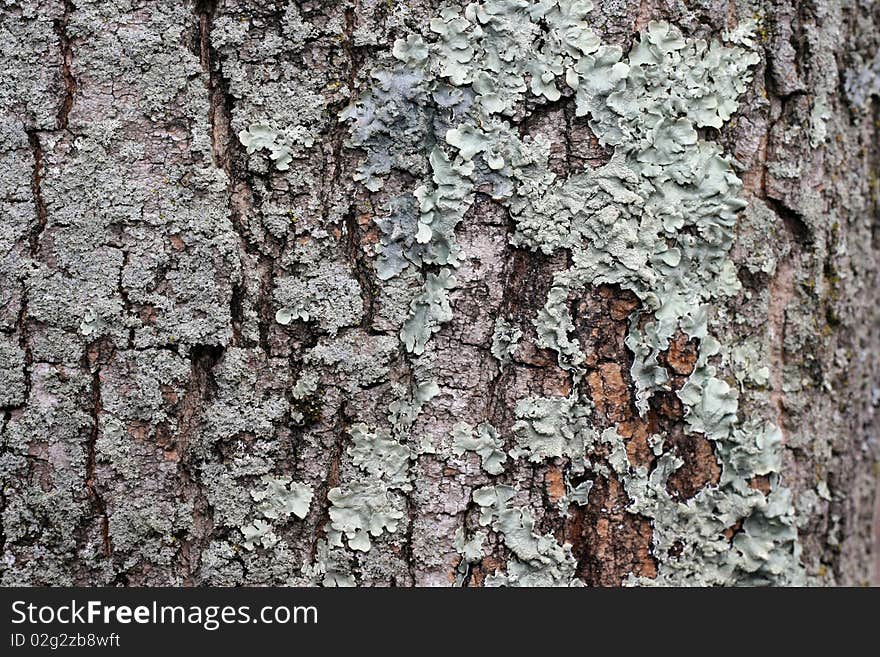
327, 293
749, 364
553, 325
361, 509
12, 373
819, 116
505, 339
579, 494
362, 357
538, 560
551, 427
330, 568
259, 137
91, 323
366, 505
657, 219
862, 80
486, 443
378, 454
257, 533
428, 311
283, 497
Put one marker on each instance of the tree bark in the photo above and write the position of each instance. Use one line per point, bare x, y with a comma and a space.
209, 376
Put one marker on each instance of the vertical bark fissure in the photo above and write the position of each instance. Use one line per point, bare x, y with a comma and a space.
37, 191
781, 287
203, 359
330, 481
91, 458
67, 76
362, 268
782, 292
3, 501
329, 180
34, 238
126, 301
220, 121
874, 156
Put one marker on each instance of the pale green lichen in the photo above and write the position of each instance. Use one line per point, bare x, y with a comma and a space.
862, 81
428, 311
285, 316
259, 532
471, 551
764, 551
378, 454
553, 325
92, 323
361, 509
283, 497
505, 339
537, 560
330, 568
711, 403
657, 219
485, 442
279, 144
259, 137
819, 116
579, 494
367, 505
750, 364
327, 293
551, 427
306, 386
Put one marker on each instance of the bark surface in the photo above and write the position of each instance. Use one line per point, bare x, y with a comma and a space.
194, 334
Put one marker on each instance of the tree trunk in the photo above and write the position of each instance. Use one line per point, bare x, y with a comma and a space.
372, 292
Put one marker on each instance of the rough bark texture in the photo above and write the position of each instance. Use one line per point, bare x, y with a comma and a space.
192, 337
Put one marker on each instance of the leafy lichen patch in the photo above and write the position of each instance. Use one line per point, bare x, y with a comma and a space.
657, 220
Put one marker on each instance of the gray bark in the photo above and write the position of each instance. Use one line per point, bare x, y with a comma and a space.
185, 324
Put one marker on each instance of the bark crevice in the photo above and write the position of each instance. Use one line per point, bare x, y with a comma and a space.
68, 80
96, 355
